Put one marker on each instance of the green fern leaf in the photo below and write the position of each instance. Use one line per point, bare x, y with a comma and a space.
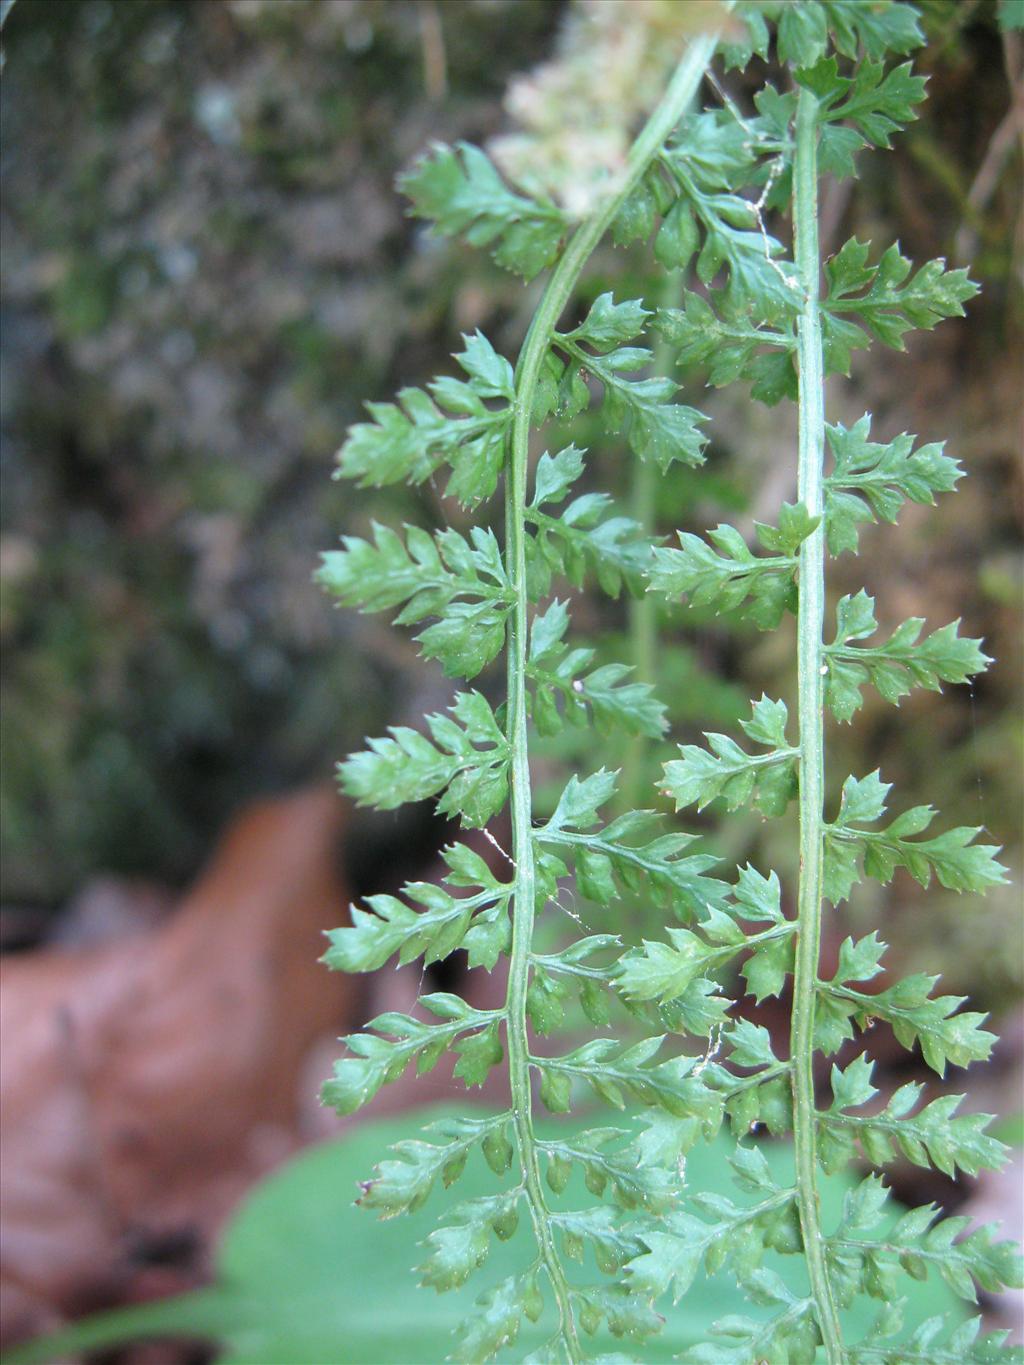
613, 1072
956, 861
391, 927
461, 192
871, 481
885, 299
461, 582
791, 1335
895, 667
731, 342
403, 1183
933, 1136
768, 781
620, 1174
496, 1321
375, 1060
457, 1249
908, 1006
557, 673
879, 28
656, 428
802, 34
732, 1236
407, 441
616, 857
927, 1344
611, 1240
467, 762
609, 325
725, 573
710, 158
581, 538
876, 102
871, 1249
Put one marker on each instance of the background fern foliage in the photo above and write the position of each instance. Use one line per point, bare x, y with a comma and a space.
667, 1043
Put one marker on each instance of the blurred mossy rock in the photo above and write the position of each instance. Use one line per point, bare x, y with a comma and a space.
147, 1082
206, 270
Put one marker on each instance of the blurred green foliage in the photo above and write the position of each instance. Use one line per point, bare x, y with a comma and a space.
292, 1285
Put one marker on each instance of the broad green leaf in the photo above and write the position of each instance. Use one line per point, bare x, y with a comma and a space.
297, 1279
795, 525
738, 47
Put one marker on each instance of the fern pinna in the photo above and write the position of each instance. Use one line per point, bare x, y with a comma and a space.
701, 185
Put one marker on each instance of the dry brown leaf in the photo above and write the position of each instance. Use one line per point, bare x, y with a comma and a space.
147, 1083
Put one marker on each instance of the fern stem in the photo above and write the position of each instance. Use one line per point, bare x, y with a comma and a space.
810, 685
559, 289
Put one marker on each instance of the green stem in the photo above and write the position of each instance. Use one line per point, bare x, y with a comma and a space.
556, 295
810, 685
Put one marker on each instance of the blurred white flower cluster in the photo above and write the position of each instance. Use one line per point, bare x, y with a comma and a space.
578, 112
